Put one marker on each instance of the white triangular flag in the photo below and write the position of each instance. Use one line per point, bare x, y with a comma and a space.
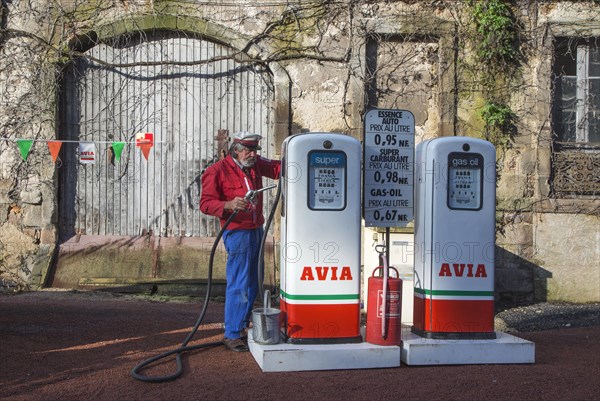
87, 152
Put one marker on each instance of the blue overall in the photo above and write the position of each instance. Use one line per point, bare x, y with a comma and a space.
243, 247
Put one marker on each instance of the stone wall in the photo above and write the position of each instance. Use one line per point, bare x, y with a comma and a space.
27, 187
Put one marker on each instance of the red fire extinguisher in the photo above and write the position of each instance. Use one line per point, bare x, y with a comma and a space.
384, 325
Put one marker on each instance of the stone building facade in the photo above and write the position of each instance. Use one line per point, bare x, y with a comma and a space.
522, 74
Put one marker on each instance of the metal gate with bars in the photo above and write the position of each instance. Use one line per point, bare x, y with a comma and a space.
185, 90
165, 86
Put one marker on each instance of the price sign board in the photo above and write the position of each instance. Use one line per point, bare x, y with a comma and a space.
388, 167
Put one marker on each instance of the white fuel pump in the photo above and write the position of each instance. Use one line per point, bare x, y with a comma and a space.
455, 203
320, 238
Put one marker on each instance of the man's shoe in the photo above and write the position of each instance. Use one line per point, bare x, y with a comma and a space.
235, 344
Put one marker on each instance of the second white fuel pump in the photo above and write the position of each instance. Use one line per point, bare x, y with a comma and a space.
455, 208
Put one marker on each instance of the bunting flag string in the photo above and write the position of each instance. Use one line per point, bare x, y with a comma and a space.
133, 142
87, 149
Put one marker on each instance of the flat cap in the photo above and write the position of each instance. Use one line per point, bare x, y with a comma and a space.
248, 139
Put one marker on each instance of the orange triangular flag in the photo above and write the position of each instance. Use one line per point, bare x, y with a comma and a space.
145, 147
145, 141
54, 148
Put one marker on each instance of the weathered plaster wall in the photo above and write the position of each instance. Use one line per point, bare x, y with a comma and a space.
317, 96
567, 247
538, 229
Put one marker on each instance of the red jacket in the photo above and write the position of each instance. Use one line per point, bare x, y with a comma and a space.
225, 180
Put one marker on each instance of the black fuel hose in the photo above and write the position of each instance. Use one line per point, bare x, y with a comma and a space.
261, 261
184, 345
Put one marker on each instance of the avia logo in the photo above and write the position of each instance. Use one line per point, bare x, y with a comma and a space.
323, 273
462, 270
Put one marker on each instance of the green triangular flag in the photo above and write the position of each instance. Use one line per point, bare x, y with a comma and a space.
24, 147
117, 149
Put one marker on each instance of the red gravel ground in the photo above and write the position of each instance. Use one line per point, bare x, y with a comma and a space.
82, 346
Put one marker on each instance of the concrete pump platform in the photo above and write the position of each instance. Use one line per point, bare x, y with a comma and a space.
504, 349
285, 357
415, 350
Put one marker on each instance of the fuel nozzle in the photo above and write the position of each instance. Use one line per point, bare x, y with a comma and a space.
251, 194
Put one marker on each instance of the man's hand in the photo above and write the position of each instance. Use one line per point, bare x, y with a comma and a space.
236, 204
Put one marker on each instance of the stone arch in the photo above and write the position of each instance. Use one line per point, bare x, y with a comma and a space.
146, 23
